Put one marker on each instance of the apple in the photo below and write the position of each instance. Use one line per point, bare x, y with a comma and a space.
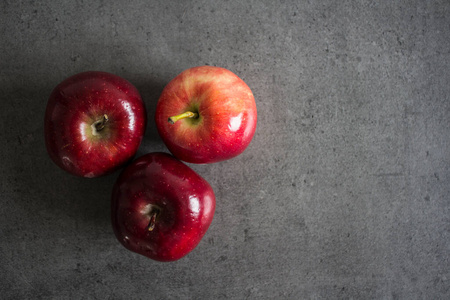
206, 114
160, 207
94, 123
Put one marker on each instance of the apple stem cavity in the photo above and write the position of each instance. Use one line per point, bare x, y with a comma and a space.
99, 124
152, 223
188, 114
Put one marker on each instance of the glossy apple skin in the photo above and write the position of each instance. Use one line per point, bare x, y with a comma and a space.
184, 200
78, 102
227, 115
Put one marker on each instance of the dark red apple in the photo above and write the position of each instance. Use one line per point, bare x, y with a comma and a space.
206, 114
161, 208
94, 123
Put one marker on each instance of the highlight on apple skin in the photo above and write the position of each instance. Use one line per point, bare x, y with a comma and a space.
160, 207
94, 123
206, 114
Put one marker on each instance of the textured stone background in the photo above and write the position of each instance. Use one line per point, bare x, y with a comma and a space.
343, 193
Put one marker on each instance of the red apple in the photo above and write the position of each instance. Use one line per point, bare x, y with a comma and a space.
206, 114
94, 123
161, 208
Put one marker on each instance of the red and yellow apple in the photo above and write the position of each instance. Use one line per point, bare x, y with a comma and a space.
206, 114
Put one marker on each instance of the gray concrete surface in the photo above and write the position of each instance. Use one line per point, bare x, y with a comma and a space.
344, 192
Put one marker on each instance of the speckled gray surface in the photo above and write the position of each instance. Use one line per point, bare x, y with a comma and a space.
343, 193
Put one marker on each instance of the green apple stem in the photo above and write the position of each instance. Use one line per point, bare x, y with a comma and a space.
152, 223
188, 114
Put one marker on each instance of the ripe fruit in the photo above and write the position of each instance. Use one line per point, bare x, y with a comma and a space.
206, 114
161, 208
94, 123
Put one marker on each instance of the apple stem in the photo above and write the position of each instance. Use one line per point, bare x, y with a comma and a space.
100, 124
188, 114
152, 223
